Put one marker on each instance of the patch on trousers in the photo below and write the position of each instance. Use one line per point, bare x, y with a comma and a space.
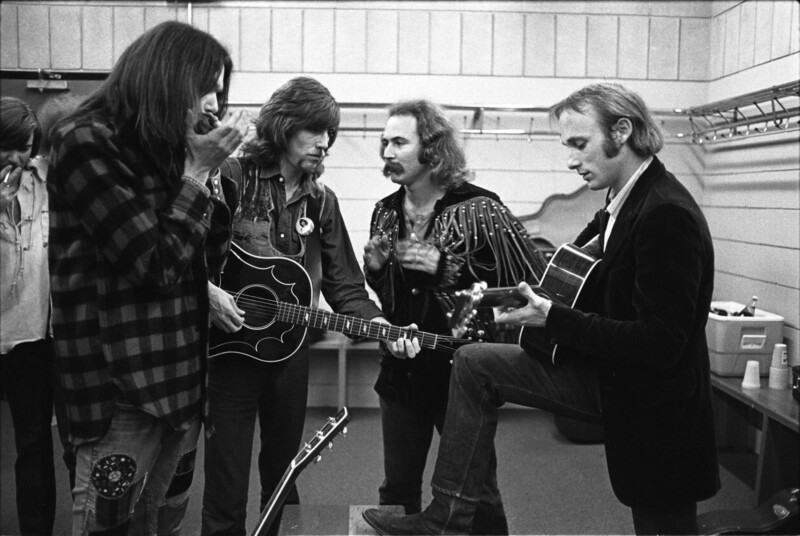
184, 473
112, 515
112, 475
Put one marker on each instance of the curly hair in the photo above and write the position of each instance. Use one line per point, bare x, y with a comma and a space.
609, 103
440, 147
161, 75
17, 123
302, 103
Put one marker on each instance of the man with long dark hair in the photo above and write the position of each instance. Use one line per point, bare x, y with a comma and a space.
634, 350
282, 212
436, 232
138, 223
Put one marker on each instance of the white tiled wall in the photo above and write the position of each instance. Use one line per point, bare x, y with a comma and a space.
676, 54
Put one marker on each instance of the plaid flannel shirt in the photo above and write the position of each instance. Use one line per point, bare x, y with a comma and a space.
131, 250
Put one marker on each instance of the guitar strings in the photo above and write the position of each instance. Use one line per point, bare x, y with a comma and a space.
296, 314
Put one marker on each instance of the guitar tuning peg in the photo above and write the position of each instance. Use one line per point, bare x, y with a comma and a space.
344, 431
318, 458
330, 445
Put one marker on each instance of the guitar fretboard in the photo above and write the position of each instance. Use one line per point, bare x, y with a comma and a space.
357, 327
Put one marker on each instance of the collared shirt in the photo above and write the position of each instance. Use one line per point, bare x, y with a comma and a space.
131, 249
618, 200
266, 224
24, 277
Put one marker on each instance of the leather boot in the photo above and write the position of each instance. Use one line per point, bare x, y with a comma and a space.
445, 515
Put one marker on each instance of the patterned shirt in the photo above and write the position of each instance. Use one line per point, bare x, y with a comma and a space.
130, 252
24, 280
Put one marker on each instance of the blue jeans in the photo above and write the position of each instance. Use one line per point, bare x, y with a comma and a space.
26, 380
484, 377
407, 437
239, 390
487, 375
136, 479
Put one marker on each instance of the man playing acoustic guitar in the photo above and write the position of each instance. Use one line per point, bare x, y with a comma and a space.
636, 357
281, 212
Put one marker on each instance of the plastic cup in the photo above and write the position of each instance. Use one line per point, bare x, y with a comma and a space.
752, 376
779, 357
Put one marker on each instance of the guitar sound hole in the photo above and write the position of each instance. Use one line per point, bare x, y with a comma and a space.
259, 304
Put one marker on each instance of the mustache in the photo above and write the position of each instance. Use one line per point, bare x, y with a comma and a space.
392, 167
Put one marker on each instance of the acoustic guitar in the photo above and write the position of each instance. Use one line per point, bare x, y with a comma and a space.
310, 452
562, 282
275, 294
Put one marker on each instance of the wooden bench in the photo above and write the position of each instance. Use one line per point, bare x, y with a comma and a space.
757, 434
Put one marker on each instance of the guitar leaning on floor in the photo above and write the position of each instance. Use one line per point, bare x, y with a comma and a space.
562, 282
275, 294
310, 452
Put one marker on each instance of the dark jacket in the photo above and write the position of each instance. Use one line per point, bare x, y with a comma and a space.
470, 252
646, 308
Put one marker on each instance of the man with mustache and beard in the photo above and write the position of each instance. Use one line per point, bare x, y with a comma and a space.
281, 210
436, 231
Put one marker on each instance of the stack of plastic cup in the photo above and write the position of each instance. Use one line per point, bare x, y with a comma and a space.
779, 376
752, 376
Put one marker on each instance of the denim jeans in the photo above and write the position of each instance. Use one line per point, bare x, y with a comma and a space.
484, 377
241, 388
407, 437
134, 480
26, 380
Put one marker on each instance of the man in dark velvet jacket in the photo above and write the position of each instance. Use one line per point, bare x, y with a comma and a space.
632, 354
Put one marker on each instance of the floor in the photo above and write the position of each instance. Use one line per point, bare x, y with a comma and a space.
549, 485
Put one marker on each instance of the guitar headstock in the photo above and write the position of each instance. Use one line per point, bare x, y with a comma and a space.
465, 308
323, 438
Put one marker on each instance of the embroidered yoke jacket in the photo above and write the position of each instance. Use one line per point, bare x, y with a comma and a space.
479, 240
131, 248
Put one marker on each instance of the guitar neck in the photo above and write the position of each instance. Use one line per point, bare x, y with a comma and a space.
356, 327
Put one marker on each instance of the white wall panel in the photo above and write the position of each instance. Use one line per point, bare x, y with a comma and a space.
571, 45
509, 38
350, 49
34, 37
128, 25
540, 45
9, 42
287, 40
381, 42
66, 37
781, 27
747, 35
664, 45
634, 38
601, 53
224, 25
415, 42
256, 41
693, 51
97, 37
476, 44
763, 34
445, 43
318, 40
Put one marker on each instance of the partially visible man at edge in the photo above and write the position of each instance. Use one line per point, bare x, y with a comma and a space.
138, 222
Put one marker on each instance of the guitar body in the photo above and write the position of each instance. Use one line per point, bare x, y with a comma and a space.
275, 294
562, 282
255, 282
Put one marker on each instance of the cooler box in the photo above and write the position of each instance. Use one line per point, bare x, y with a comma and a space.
735, 340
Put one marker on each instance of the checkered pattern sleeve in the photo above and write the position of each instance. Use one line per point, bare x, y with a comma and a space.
128, 271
